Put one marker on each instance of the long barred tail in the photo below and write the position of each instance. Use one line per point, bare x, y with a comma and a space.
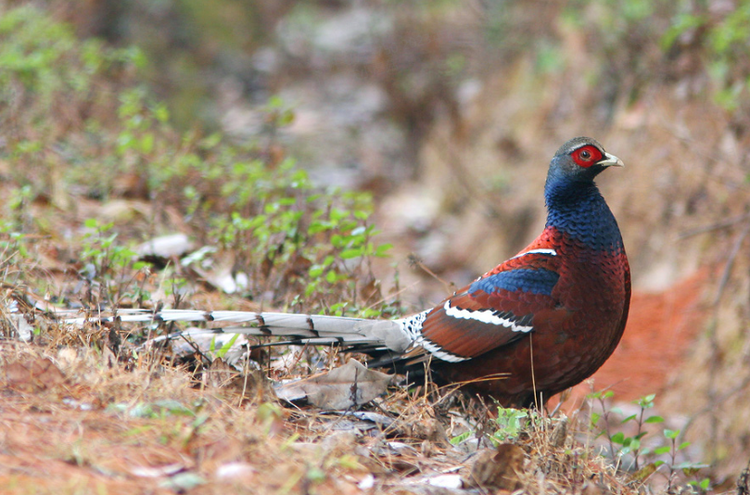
300, 328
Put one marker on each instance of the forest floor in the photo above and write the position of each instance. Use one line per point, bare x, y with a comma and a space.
81, 420
107, 205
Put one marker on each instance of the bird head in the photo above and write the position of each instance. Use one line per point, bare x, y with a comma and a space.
575, 165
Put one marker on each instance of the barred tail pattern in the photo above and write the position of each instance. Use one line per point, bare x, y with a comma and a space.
394, 335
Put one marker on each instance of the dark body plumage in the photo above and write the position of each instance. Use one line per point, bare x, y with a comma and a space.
560, 304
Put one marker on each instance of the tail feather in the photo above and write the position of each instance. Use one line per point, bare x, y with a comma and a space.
302, 328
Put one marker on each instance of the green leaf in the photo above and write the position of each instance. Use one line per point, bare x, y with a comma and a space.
316, 271
171, 406
200, 420
382, 250
338, 214
595, 418
629, 418
317, 226
460, 438
618, 437
662, 450
209, 141
654, 419
351, 253
228, 345
316, 475
161, 113
275, 102
682, 23
671, 434
147, 143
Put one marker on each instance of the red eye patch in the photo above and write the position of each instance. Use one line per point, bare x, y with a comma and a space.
586, 156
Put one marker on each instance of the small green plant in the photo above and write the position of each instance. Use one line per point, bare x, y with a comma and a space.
222, 351
689, 469
619, 443
645, 460
510, 422
507, 426
106, 264
292, 236
46, 57
13, 245
18, 206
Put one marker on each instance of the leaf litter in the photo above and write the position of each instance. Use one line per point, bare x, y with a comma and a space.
78, 419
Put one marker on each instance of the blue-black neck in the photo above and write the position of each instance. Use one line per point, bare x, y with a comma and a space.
579, 210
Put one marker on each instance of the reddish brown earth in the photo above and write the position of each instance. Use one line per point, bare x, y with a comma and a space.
660, 330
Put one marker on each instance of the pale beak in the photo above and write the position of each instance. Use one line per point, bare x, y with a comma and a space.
610, 161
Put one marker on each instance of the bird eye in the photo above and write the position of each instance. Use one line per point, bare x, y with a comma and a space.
586, 156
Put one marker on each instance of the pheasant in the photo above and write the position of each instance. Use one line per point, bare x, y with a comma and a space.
535, 325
